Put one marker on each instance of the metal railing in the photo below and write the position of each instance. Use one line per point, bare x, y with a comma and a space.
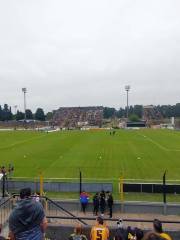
60, 212
6, 206
55, 212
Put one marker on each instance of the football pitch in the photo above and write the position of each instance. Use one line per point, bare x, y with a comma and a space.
135, 154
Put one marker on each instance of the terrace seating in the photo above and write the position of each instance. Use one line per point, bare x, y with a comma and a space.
69, 117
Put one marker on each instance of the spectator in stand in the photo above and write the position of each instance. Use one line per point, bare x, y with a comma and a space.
129, 233
139, 234
110, 203
36, 196
152, 236
77, 235
121, 233
100, 230
84, 199
102, 203
27, 220
157, 225
96, 204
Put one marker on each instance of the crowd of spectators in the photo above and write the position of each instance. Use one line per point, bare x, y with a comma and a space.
73, 116
100, 231
27, 221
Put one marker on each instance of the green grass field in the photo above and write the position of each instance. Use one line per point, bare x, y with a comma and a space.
143, 154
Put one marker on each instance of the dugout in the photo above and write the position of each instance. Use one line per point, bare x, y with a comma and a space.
151, 188
139, 124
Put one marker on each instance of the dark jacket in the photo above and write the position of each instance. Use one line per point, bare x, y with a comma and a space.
96, 201
27, 215
110, 200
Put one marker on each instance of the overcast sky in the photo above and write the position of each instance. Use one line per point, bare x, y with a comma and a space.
83, 52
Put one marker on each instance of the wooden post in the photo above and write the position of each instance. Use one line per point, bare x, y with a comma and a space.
41, 184
122, 193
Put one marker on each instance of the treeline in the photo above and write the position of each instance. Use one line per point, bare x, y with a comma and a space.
7, 115
166, 111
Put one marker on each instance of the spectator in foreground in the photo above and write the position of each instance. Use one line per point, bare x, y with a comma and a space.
157, 225
153, 236
100, 230
77, 235
129, 233
121, 232
27, 220
36, 196
139, 234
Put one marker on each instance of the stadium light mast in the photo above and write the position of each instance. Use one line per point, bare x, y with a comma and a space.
127, 88
24, 90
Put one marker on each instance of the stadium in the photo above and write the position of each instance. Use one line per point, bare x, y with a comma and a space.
89, 120
67, 158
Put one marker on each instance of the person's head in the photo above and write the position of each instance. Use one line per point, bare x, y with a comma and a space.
152, 236
139, 233
25, 193
157, 225
78, 229
100, 220
131, 233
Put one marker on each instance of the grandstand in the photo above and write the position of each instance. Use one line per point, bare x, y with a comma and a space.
72, 117
151, 115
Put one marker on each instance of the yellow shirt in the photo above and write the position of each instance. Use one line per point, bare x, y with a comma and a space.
165, 236
99, 232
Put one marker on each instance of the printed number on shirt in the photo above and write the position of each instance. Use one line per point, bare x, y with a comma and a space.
99, 235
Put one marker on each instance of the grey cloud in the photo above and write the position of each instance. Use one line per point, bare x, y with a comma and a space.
75, 53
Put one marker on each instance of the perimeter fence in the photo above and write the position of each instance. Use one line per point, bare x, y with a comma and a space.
122, 189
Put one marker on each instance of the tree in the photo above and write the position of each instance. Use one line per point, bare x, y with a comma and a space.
138, 110
19, 115
49, 116
6, 113
120, 113
0, 113
177, 110
39, 114
109, 112
29, 114
133, 118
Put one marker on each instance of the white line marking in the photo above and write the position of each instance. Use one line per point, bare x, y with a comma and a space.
159, 145
20, 142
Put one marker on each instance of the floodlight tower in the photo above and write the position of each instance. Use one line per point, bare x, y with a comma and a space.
24, 90
127, 88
